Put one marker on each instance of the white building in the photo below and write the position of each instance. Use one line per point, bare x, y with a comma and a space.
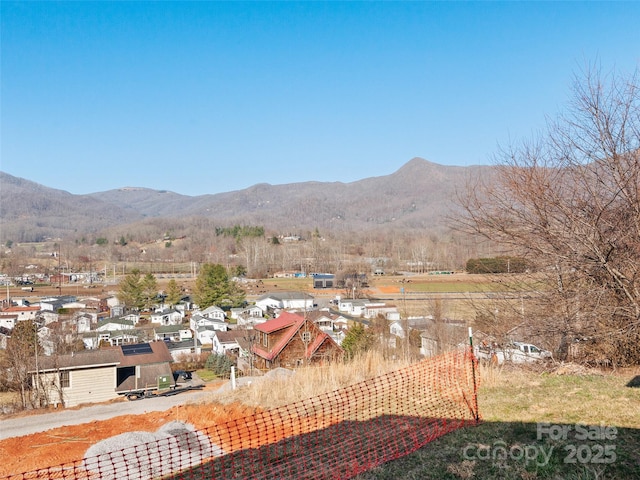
285, 301
167, 317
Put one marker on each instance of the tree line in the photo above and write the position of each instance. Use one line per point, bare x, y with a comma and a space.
213, 286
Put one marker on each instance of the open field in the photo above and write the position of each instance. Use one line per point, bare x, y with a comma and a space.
424, 283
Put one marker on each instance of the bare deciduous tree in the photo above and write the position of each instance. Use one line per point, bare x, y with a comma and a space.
569, 201
17, 361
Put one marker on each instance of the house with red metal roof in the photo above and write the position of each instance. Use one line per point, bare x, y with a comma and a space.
292, 340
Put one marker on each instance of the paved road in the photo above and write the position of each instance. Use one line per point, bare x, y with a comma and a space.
20, 426
25, 425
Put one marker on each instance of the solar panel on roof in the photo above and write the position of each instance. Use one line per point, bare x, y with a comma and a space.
137, 349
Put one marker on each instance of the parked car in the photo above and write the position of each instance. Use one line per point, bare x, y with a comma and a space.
184, 374
525, 352
515, 352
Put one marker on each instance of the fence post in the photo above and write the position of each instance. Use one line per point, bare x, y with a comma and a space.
476, 413
233, 378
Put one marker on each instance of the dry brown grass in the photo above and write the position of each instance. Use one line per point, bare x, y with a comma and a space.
309, 382
9, 401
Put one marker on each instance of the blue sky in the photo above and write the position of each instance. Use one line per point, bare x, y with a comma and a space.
209, 97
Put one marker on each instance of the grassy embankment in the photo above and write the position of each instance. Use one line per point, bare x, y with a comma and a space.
522, 436
525, 413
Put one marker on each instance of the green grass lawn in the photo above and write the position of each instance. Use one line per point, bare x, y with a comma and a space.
537, 426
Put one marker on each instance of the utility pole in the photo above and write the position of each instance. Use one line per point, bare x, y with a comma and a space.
35, 334
59, 273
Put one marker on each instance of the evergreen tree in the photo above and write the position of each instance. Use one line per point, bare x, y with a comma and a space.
131, 290
357, 340
213, 287
220, 365
173, 292
149, 286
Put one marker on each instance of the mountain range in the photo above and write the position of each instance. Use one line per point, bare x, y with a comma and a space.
417, 196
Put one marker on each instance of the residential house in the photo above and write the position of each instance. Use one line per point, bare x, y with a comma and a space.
327, 321
44, 340
184, 347
435, 337
100, 375
93, 340
82, 322
94, 304
428, 345
115, 331
230, 342
354, 307
8, 321
292, 340
112, 324
134, 317
206, 335
247, 317
77, 305
332, 323
289, 274
124, 337
341, 323
166, 317
20, 313
213, 312
400, 328
110, 302
196, 321
117, 310
270, 302
53, 304
48, 316
251, 311
172, 333
184, 306
389, 312
397, 329
249, 322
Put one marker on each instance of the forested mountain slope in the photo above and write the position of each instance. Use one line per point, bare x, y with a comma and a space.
417, 196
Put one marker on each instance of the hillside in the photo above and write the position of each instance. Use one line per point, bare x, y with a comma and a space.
416, 196
30, 211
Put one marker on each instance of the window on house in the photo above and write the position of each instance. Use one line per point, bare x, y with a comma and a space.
64, 379
265, 339
306, 336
